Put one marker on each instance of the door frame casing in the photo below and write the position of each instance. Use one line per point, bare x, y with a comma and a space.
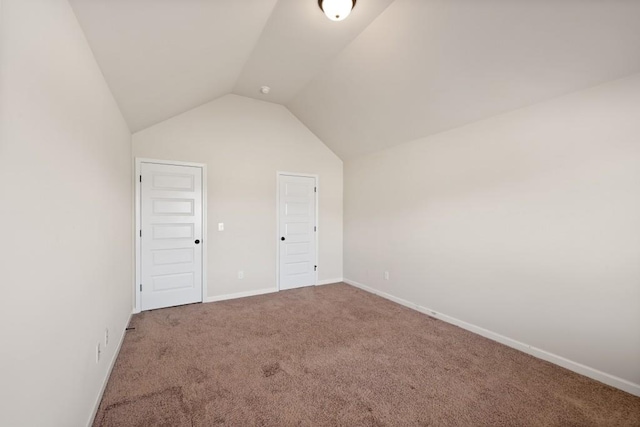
138, 224
317, 192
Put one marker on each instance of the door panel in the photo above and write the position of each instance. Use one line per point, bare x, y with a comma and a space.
297, 227
172, 281
171, 215
171, 232
172, 256
173, 207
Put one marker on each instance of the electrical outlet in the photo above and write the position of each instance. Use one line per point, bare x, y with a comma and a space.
106, 337
240, 274
98, 353
386, 275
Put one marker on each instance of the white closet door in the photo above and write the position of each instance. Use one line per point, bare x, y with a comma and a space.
171, 242
297, 231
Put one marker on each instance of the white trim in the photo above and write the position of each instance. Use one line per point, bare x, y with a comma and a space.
328, 281
241, 294
96, 405
317, 220
138, 221
587, 371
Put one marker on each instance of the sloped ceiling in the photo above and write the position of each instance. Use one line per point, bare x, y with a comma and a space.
163, 57
391, 72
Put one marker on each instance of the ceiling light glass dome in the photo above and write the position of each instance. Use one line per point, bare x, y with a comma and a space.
336, 10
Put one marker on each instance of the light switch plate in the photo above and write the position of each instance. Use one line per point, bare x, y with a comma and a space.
221, 226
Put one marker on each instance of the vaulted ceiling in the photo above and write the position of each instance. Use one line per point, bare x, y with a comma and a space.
391, 72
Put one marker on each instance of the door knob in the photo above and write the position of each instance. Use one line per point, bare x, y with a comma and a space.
282, 238
197, 241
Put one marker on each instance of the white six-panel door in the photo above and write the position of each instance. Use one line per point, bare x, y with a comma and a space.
297, 226
171, 239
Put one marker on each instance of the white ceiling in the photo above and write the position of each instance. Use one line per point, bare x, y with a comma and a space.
297, 42
163, 57
391, 72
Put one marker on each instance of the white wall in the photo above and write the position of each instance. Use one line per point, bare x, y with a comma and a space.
244, 142
65, 218
526, 224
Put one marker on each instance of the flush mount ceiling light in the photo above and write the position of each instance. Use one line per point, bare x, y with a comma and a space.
336, 10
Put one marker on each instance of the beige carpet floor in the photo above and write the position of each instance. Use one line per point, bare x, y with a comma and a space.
337, 356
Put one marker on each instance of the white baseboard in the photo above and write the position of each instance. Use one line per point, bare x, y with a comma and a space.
587, 371
328, 281
112, 363
260, 292
241, 294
